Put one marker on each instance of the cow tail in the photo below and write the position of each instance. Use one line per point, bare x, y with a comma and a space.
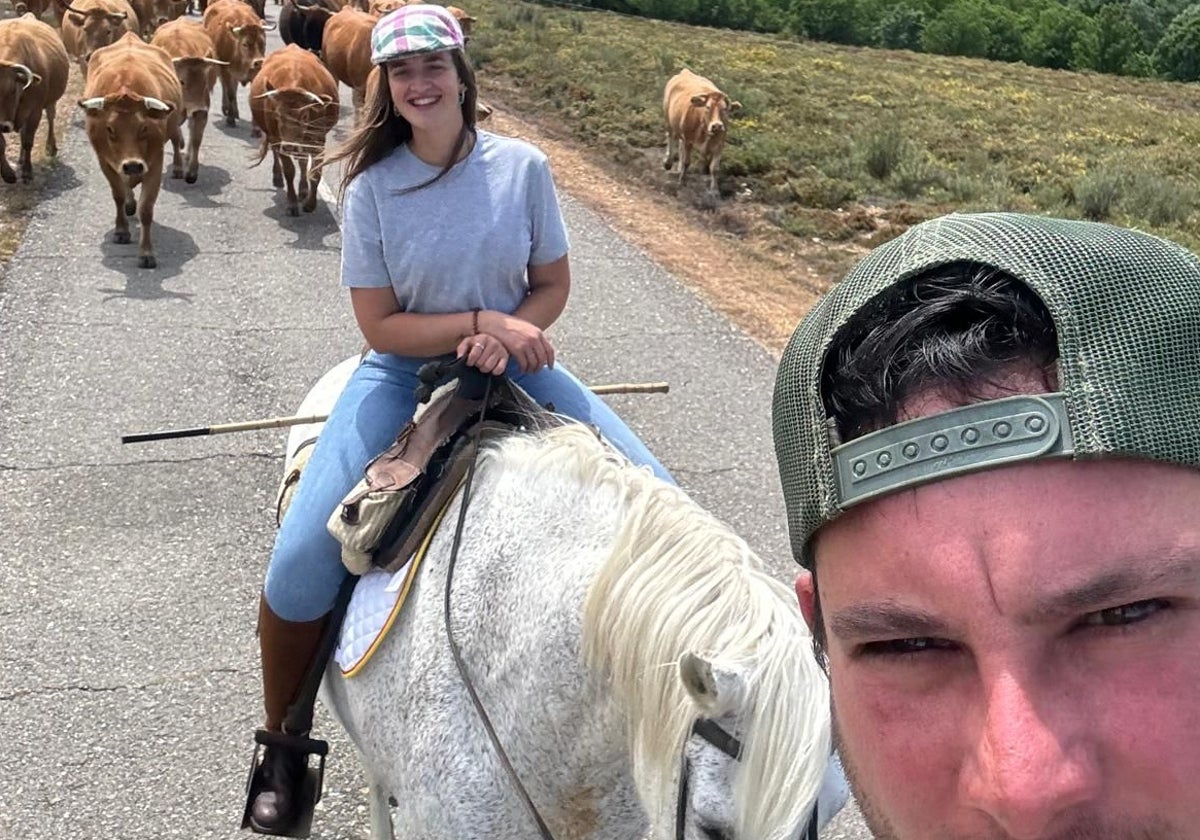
263, 148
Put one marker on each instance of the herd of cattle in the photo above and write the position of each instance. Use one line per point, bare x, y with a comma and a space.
148, 70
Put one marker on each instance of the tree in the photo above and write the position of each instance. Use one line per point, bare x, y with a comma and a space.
960, 29
900, 28
1177, 55
1006, 33
827, 20
1117, 39
1062, 38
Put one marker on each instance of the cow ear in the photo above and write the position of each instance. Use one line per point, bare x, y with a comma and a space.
76, 19
735, 106
699, 99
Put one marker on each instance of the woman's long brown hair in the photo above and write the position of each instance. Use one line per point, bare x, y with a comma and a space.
380, 129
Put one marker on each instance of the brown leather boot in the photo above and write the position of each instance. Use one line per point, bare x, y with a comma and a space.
288, 649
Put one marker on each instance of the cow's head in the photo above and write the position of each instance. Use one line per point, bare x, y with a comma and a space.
465, 21
197, 77
259, 7
100, 26
127, 130
15, 79
250, 46
382, 7
717, 108
166, 11
301, 119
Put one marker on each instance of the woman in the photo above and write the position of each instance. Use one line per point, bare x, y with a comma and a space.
452, 244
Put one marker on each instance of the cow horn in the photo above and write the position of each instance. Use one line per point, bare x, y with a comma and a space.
155, 104
29, 74
94, 102
216, 61
314, 97
271, 94
236, 30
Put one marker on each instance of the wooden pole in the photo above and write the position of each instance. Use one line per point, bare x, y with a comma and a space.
284, 422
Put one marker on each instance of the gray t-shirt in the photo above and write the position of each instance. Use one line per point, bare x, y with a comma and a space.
461, 243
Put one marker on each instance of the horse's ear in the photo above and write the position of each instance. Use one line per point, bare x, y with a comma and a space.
715, 689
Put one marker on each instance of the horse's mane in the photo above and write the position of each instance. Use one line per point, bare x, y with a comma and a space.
679, 581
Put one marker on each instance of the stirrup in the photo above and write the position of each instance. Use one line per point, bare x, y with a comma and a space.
309, 789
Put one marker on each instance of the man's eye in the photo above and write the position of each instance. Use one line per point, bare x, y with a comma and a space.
1125, 614
905, 647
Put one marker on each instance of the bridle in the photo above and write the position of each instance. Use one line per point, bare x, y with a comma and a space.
705, 728
716, 735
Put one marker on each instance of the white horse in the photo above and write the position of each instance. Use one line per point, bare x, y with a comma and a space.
600, 612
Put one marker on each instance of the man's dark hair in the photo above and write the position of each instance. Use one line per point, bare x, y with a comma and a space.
952, 330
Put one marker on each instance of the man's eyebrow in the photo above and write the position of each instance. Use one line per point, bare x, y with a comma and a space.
885, 620
1137, 577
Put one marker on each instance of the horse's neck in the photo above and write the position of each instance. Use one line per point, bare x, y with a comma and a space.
528, 606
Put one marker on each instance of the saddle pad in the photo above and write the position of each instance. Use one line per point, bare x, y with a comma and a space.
373, 608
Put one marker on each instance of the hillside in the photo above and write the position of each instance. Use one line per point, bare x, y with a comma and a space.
840, 148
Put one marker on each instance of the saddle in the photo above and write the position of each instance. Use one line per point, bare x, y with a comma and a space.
385, 517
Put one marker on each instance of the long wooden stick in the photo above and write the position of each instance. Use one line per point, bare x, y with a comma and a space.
284, 422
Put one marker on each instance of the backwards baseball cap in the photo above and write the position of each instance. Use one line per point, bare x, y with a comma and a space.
1126, 308
413, 30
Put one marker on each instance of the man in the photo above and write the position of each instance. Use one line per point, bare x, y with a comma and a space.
989, 441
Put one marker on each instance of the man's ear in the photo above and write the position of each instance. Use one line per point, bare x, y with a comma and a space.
806, 595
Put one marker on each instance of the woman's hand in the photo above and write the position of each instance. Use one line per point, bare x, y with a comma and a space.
484, 352
524, 341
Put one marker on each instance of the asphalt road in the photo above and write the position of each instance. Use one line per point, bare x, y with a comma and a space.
129, 575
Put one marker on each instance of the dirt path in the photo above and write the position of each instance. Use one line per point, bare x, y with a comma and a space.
763, 284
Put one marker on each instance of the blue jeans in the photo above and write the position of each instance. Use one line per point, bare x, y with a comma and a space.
306, 566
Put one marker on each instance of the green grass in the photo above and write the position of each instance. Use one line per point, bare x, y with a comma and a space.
826, 127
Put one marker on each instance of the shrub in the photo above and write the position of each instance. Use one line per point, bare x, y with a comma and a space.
914, 174
883, 150
1158, 200
1097, 194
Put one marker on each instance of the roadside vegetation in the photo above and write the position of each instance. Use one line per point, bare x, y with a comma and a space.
839, 148
1125, 37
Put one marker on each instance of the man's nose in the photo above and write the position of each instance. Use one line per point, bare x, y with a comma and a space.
1032, 764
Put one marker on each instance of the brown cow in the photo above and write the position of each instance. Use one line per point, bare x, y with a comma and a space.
465, 21
696, 112
294, 100
379, 8
194, 56
37, 8
33, 77
134, 104
346, 48
240, 39
88, 25
154, 13
382, 7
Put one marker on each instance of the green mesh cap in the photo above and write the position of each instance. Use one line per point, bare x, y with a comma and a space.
1126, 307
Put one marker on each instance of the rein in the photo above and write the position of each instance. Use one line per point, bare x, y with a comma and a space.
543, 829
704, 728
